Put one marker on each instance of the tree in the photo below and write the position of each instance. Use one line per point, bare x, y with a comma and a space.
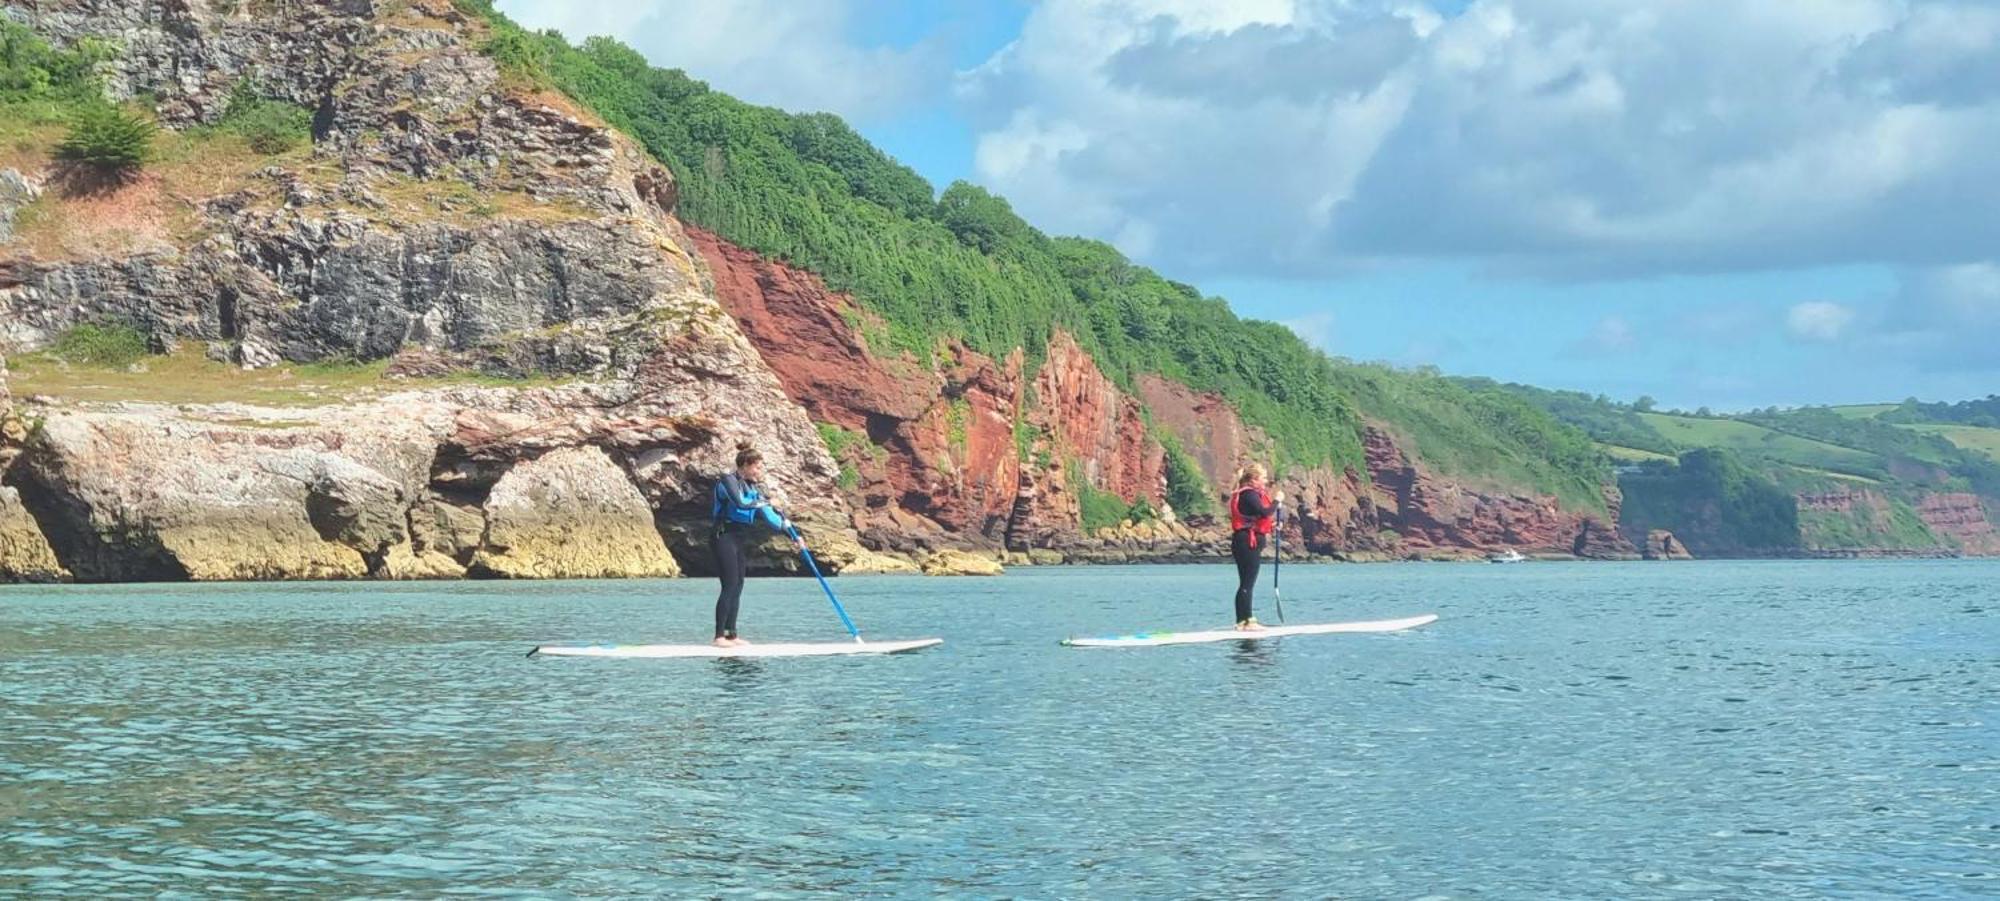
109, 140
1645, 403
979, 219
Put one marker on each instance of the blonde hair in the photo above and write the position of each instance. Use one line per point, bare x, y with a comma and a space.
1250, 472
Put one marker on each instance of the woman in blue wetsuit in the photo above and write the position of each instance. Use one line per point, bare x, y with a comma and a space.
739, 507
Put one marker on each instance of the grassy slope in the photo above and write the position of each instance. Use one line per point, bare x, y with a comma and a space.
1972, 438
1756, 440
187, 376
1631, 454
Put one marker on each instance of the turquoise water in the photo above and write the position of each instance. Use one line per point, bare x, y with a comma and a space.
1576, 730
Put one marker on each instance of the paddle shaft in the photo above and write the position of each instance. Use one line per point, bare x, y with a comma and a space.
807, 553
1278, 558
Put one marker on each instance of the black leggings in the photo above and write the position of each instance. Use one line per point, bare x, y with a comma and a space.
1248, 556
730, 566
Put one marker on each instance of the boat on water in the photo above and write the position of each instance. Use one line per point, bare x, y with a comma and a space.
1511, 556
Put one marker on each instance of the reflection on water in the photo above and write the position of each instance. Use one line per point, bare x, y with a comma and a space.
1709, 730
1253, 652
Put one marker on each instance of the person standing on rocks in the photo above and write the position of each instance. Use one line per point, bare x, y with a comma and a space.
739, 506
1252, 515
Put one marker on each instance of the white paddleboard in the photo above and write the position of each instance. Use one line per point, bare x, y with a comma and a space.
1154, 639
794, 649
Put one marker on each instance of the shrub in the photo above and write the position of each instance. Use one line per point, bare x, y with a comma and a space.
270, 126
114, 346
108, 139
1188, 491
32, 70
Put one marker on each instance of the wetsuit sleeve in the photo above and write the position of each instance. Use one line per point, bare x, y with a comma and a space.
1254, 504
771, 517
732, 487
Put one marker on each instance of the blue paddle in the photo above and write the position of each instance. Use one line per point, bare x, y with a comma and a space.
814, 566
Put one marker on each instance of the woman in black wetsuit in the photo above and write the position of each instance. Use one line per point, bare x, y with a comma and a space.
739, 507
1252, 516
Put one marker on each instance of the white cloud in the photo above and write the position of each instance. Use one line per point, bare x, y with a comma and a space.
1818, 321
795, 54
1563, 137
1315, 329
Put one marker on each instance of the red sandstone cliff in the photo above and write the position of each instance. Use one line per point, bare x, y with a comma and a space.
944, 466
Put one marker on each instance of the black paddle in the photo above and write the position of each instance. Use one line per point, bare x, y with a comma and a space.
1278, 556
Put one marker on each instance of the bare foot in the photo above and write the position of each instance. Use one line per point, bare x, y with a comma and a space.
1250, 625
722, 642
741, 642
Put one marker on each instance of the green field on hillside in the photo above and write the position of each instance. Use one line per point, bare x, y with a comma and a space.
1863, 411
1689, 431
1630, 454
1972, 438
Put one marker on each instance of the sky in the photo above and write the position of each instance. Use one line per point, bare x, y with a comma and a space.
1726, 203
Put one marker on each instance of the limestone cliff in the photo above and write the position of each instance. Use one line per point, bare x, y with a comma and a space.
446, 221
25, 555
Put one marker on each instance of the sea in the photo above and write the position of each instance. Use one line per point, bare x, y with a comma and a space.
1704, 729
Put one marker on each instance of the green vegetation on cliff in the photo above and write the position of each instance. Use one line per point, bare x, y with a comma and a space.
808, 190
1714, 503
33, 73
1603, 420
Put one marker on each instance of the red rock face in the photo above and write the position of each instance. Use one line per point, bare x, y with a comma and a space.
944, 468
1828, 501
1206, 425
1436, 514
1961, 517
1101, 425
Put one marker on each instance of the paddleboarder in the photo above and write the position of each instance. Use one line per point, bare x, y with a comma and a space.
1252, 515
739, 507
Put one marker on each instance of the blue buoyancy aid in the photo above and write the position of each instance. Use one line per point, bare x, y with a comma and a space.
741, 503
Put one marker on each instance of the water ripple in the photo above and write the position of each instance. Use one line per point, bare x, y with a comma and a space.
1709, 729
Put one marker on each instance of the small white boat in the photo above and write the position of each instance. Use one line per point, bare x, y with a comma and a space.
1511, 556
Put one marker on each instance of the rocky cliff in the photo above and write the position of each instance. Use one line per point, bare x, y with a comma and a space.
556, 367
963, 450
25, 555
1851, 521
445, 221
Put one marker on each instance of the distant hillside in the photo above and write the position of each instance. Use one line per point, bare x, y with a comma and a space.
1892, 478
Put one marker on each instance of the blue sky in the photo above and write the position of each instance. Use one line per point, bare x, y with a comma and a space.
1733, 204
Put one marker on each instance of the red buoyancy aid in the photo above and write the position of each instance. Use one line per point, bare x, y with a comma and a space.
1238, 522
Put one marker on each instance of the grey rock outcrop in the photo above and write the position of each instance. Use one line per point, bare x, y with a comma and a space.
572, 514
25, 555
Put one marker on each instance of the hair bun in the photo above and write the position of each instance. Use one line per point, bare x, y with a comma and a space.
743, 445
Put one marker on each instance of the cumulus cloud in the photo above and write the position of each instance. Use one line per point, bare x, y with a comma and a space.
1572, 138
1818, 321
795, 54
